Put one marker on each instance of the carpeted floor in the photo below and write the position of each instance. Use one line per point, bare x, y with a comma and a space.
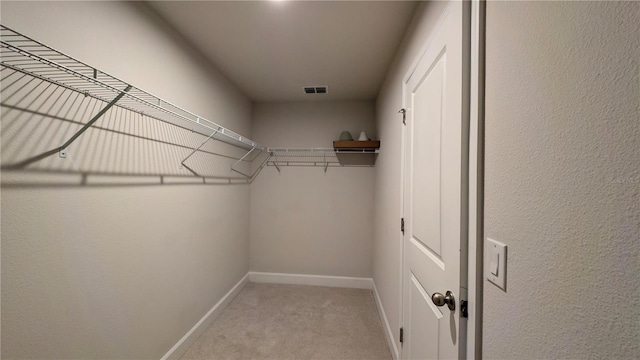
269, 321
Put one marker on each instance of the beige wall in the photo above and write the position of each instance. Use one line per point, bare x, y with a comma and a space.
123, 270
563, 179
387, 245
303, 220
109, 271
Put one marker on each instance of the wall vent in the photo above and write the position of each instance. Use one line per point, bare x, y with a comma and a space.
316, 89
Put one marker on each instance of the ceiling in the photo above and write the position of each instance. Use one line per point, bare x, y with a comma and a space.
272, 49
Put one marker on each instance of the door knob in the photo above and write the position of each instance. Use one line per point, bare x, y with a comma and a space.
449, 299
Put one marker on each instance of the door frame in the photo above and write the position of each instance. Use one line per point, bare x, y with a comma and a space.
473, 132
476, 177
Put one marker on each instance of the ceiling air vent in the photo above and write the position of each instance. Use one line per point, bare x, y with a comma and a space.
316, 89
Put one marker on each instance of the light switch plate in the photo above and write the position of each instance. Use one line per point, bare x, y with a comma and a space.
496, 263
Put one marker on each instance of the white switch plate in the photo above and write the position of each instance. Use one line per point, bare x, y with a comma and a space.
496, 263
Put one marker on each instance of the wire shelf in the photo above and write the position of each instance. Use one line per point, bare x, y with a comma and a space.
48, 97
323, 157
30, 57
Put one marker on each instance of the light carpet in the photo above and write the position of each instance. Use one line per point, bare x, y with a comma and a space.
270, 321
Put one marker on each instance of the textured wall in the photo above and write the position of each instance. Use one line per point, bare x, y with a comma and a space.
387, 246
120, 270
563, 179
303, 220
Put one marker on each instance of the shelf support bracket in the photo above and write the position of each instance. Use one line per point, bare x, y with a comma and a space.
252, 177
95, 118
191, 170
61, 150
326, 164
239, 161
275, 163
198, 148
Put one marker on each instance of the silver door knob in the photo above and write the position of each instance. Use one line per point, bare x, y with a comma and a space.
449, 299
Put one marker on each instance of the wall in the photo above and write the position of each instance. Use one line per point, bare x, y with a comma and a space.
562, 179
387, 245
303, 220
118, 270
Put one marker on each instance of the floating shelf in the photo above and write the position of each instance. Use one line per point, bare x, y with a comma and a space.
356, 145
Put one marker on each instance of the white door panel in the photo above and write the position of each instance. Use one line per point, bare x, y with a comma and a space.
432, 193
424, 319
426, 176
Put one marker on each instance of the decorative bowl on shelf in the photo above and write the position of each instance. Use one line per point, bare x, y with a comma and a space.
346, 136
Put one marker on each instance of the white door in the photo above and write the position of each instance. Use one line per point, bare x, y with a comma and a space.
433, 195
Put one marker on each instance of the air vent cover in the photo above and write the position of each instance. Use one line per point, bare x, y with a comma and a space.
316, 89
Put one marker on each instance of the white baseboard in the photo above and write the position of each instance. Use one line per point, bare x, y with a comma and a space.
192, 335
314, 280
385, 324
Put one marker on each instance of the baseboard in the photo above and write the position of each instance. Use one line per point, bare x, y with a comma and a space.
389, 334
314, 280
192, 335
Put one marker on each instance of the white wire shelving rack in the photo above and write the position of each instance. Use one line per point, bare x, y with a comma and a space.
23, 54
37, 61
321, 157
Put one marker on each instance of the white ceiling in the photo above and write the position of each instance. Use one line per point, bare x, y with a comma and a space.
271, 49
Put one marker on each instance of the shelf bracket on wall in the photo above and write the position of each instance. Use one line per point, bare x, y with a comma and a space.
62, 150
233, 167
251, 177
326, 164
95, 118
275, 163
198, 148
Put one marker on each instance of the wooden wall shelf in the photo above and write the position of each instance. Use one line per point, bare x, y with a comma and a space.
356, 145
